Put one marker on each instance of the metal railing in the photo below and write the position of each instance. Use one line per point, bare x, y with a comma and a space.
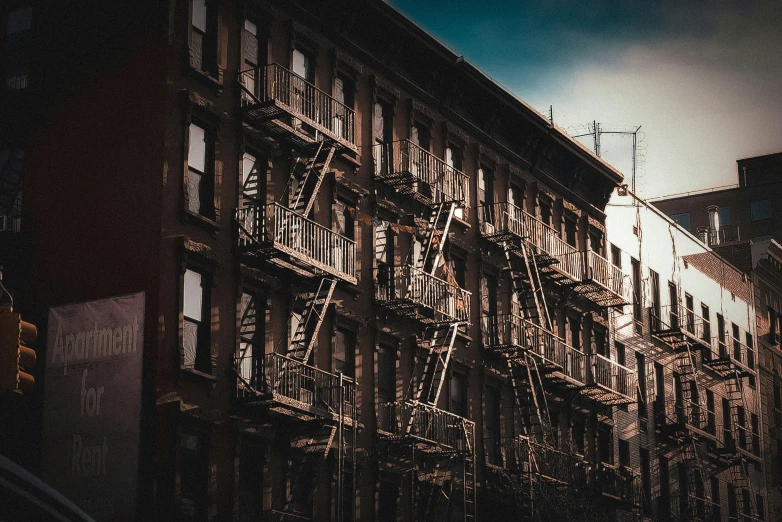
694, 508
689, 413
602, 271
551, 463
409, 284
618, 482
299, 237
501, 331
426, 174
301, 98
276, 374
615, 377
551, 349
680, 318
426, 423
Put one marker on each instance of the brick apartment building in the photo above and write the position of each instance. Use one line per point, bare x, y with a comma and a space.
377, 285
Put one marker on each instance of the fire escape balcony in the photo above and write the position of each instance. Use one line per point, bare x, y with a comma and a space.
550, 465
556, 260
283, 103
602, 282
515, 337
611, 383
290, 387
288, 239
680, 328
430, 429
412, 292
677, 420
694, 508
418, 174
617, 483
730, 356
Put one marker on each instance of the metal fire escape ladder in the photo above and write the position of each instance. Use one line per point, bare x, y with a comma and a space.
688, 377
439, 354
309, 170
314, 311
435, 235
309, 453
469, 479
738, 469
439, 494
527, 389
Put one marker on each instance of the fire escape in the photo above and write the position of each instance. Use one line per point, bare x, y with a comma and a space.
541, 364
439, 446
687, 426
315, 409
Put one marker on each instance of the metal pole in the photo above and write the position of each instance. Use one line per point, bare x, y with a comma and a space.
340, 497
353, 414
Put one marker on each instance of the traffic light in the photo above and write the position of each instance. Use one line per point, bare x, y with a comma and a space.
14, 356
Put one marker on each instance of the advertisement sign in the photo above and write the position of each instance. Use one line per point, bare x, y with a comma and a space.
92, 404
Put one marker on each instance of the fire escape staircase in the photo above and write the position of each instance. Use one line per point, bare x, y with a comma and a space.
739, 470
315, 308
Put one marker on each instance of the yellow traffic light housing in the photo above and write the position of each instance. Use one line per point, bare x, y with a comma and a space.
14, 356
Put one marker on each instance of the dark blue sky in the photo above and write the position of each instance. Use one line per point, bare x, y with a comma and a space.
704, 81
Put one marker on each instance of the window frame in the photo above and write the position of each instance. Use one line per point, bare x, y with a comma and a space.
755, 209
203, 362
208, 209
208, 63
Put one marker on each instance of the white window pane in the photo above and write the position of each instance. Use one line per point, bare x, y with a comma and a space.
199, 15
300, 64
19, 20
339, 90
194, 191
248, 162
250, 27
194, 295
481, 180
196, 157
449, 157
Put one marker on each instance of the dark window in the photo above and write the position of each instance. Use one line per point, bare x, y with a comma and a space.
387, 499
196, 328
545, 213
578, 433
640, 367
459, 269
345, 352
250, 483
727, 429
760, 210
200, 171
458, 394
689, 304
386, 369
711, 419
761, 505
605, 444
616, 256
493, 429
755, 434
575, 333
621, 353
673, 300
637, 294
683, 220
600, 342
252, 60
17, 47
624, 453
721, 341
736, 342
203, 36
570, 232
421, 136
488, 295
724, 213
194, 473
595, 243
654, 279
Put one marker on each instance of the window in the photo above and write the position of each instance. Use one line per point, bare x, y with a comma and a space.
545, 213
595, 242
387, 499
386, 384
382, 133
724, 214
578, 433
454, 158
761, 505
344, 92
665, 484
194, 475
637, 296
575, 333
616, 256
760, 210
605, 444
570, 232
253, 59
705, 314
646, 474
457, 403
251, 337
11, 194
486, 192
195, 338
515, 197
200, 172
721, 334
493, 428
458, 268
727, 429
711, 420
17, 47
640, 367
673, 300
654, 279
689, 304
488, 295
736, 342
203, 36
599, 339
624, 453
345, 352
621, 353
755, 434
683, 220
